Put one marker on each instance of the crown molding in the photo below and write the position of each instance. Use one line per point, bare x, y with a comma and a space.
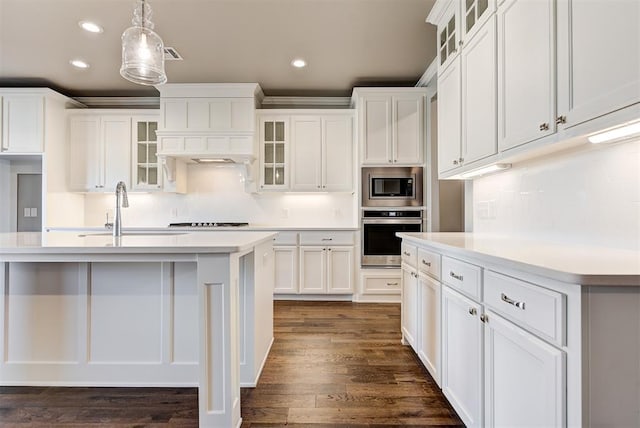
430, 75
310, 102
120, 102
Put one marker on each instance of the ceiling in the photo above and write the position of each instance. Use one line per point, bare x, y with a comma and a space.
346, 43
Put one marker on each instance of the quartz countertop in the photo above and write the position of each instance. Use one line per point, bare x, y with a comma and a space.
97, 243
249, 228
577, 264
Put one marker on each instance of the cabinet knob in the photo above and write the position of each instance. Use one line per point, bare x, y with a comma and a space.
460, 43
318, 187
461, 160
544, 127
426, 263
472, 311
484, 318
455, 161
561, 119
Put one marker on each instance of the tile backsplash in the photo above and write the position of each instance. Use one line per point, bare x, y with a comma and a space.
218, 194
580, 197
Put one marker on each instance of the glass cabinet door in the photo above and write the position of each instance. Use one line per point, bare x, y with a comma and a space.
473, 11
273, 143
448, 35
146, 167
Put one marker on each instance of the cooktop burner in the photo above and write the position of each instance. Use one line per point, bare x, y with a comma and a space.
208, 224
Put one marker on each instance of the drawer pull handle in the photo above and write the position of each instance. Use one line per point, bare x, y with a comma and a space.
472, 311
392, 284
510, 301
458, 277
406, 253
424, 262
327, 239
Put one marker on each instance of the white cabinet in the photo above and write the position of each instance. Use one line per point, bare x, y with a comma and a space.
147, 172
467, 103
286, 269
100, 151
322, 149
326, 270
448, 33
22, 123
285, 249
409, 314
274, 152
449, 118
462, 356
524, 377
392, 126
322, 263
526, 71
428, 340
479, 94
598, 58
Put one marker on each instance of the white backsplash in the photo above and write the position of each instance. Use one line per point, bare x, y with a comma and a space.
218, 194
580, 197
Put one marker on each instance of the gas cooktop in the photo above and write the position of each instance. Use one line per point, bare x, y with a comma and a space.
208, 224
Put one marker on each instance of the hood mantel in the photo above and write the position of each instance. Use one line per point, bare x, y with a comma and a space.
208, 121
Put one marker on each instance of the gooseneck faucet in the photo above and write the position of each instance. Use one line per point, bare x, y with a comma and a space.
121, 194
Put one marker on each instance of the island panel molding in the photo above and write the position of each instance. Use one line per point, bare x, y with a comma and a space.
174, 310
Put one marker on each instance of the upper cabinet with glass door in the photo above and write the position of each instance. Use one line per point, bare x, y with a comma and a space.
457, 22
274, 153
146, 167
475, 13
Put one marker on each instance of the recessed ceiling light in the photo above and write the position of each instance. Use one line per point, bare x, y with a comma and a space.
299, 63
78, 63
91, 27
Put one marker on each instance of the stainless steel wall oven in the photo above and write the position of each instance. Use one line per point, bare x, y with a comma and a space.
380, 245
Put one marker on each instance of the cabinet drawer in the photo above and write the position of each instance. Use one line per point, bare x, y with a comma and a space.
533, 307
286, 238
381, 284
429, 263
462, 276
326, 238
409, 254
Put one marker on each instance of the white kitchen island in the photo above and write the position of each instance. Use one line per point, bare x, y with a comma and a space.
181, 309
525, 333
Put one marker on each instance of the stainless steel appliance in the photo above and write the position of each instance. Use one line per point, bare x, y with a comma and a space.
380, 245
392, 187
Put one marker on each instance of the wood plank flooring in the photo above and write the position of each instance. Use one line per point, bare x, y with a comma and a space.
341, 364
333, 364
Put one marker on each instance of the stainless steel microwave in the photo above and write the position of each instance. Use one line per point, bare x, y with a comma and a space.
392, 187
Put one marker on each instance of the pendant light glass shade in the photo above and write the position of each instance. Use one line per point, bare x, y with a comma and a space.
142, 49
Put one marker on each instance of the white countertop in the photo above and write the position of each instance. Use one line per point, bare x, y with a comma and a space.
577, 264
249, 228
145, 243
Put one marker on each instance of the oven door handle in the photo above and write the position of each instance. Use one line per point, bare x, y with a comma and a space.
391, 221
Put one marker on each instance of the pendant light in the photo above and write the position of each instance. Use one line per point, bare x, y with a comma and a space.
142, 49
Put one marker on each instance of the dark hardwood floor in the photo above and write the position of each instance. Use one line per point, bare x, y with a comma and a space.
332, 364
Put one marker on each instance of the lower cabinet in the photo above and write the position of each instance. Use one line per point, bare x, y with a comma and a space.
326, 270
286, 269
428, 346
462, 333
524, 377
314, 262
409, 316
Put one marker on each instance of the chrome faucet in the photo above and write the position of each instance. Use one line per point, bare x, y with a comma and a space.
121, 193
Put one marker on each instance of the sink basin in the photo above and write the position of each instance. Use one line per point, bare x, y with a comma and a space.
84, 235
